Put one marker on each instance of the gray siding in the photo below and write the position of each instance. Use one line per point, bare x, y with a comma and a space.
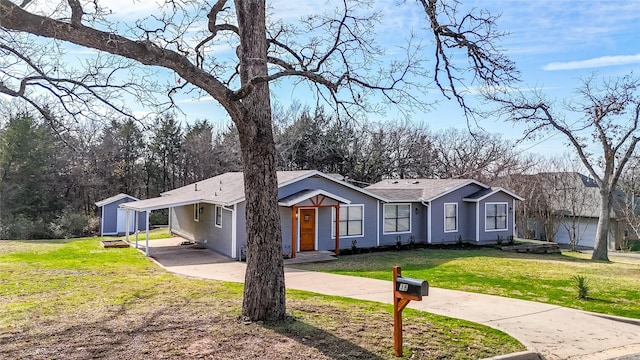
204, 231
466, 217
182, 221
491, 236
418, 220
325, 240
110, 217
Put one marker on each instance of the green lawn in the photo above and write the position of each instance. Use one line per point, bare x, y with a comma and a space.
73, 299
614, 287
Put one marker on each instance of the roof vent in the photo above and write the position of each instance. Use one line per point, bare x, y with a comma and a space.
394, 182
415, 182
196, 186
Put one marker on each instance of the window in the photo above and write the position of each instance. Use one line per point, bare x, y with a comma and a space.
196, 212
397, 218
218, 216
351, 222
450, 217
495, 216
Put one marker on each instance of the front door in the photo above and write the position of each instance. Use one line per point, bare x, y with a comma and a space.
307, 229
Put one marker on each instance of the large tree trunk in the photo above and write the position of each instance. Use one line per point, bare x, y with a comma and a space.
264, 292
600, 250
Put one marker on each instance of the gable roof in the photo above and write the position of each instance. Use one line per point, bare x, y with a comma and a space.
485, 193
226, 189
114, 198
415, 190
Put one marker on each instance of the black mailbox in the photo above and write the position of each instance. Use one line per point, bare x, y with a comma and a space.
412, 287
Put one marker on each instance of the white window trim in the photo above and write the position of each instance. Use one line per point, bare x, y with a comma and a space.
410, 219
506, 222
215, 216
444, 218
333, 222
196, 212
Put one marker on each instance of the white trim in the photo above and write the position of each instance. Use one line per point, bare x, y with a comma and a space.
410, 219
377, 222
196, 212
310, 194
114, 198
513, 217
428, 222
333, 220
146, 248
444, 218
506, 223
234, 239
478, 222
215, 216
495, 190
455, 188
102, 233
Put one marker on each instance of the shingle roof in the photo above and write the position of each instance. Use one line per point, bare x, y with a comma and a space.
418, 189
225, 189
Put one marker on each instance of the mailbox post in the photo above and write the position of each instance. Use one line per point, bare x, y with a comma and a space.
404, 290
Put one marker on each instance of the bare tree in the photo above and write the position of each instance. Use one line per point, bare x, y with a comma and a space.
609, 114
333, 52
629, 206
481, 156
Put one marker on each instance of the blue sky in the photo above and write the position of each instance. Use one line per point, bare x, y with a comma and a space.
554, 43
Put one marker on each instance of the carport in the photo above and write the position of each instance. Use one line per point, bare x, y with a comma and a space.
148, 205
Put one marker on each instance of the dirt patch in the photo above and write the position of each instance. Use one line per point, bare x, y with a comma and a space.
200, 330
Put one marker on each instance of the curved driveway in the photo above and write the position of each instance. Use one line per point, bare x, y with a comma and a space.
552, 331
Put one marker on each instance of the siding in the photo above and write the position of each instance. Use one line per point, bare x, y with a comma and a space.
491, 236
109, 217
324, 239
466, 217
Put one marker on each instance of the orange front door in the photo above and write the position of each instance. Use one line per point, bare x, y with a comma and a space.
307, 229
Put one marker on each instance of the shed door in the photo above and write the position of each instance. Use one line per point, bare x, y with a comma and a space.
307, 229
122, 220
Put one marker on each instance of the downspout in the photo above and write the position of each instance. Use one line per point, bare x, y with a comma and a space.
478, 221
427, 205
513, 216
378, 223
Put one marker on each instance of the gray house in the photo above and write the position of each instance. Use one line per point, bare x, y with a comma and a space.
444, 211
212, 212
113, 219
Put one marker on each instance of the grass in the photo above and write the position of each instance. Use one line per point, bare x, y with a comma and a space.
73, 299
614, 288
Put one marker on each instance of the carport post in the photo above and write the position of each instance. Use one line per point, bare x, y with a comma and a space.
137, 227
146, 247
126, 225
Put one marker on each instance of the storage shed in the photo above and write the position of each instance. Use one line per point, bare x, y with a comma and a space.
113, 218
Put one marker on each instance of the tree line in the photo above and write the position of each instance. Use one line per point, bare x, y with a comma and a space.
50, 180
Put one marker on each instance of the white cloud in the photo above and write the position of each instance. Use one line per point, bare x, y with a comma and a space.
196, 100
594, 63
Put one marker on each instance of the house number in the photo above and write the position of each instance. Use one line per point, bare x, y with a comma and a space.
403, 287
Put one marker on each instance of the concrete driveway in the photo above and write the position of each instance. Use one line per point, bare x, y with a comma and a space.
552, 331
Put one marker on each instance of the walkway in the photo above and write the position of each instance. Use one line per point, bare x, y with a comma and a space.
552, 331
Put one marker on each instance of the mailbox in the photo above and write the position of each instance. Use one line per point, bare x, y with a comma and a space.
412, 287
